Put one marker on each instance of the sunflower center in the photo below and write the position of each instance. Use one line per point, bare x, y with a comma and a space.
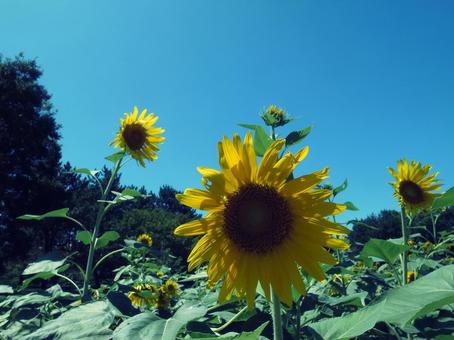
411, 192
257, 218
134, 136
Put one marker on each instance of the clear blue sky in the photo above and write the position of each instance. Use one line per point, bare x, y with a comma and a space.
375, 78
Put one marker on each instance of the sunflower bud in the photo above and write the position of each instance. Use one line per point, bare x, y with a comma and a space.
275, 116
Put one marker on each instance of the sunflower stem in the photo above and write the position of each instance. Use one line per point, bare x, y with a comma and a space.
277, 317
224, 326
106, 256
94, 236
404, 256
434, 226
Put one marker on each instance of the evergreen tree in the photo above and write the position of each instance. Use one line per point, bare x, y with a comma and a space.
29, 158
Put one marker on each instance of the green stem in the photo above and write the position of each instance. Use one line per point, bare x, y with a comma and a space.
99, 216
434, 226
106, 256
273, 134
76, 221
70, 281
404, 256
224, 326
277, 317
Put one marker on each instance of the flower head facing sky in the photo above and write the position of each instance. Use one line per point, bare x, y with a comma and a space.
259, 225
413, 186
138, 136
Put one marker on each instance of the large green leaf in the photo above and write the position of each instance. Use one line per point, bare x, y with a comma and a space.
385, 250
261, 140
149, 326
398, 306
89, 321
142, 326
445, 200
254, 335
6, 289
41, 275
184, 314
297, 136
106, 238
54, 213
30, 299
47, 263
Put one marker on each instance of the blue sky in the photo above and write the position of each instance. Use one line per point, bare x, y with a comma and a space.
375, 78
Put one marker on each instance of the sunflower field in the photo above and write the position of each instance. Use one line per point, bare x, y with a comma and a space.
268, 257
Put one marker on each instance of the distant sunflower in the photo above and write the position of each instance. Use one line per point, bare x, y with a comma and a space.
260, 225
413, 187
171, 288
411, 276
145, 239
138, 137
140, 300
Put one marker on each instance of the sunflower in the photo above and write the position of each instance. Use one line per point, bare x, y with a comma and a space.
260, 226
171, 288
413, 186
139, 299
145, 239
411, 276
138, 137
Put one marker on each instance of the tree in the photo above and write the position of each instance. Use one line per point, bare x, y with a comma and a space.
29, 157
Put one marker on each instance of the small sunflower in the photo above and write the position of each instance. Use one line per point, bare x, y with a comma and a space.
145, 239
171, 288
159, 274
138, 137
411, 276
413, 186
260, 226
139, 300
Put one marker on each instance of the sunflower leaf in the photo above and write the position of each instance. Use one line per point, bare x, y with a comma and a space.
84, 237
4, 289
398, 306
445, 200
340, 188
115, 157
106, 238
382, 249
261, 140
86, 171
351, 206
54, 213
297, 136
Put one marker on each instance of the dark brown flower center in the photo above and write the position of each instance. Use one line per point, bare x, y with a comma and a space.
411, 192
134, 136
257, 218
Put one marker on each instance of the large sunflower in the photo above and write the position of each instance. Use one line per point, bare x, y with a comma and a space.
260, 226
138, 137
413, 186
